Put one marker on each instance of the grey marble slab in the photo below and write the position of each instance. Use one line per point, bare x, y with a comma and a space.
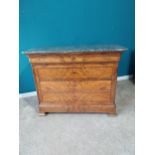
79, 48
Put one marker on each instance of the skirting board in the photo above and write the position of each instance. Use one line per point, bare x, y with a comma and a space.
125, 77
34, 93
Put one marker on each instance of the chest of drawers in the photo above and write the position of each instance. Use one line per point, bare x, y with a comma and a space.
76, 79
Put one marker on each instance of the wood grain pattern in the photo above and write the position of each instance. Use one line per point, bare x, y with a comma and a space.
74, 72
37, 84
113, 82
75, 86
80, 82
75, 58
108, 108
77, 98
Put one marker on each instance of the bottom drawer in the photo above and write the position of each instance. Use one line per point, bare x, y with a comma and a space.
77, 98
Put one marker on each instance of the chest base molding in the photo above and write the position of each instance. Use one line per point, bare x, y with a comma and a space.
43, 108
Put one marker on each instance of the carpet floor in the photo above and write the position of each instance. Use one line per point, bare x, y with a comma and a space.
79, 134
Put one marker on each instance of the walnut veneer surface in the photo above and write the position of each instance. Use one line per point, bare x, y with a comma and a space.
77, 78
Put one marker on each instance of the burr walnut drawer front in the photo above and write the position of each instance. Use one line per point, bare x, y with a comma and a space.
72, 86
74, 98
74, 58
76, 92
80, 92
75, 72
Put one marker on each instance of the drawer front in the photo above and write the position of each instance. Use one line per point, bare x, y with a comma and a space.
75, 58
76, 92
75, 86
75, 72
74, 98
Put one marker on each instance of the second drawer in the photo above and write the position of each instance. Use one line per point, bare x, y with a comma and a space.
75, 72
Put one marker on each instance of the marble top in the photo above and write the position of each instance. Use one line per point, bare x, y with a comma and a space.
79, 48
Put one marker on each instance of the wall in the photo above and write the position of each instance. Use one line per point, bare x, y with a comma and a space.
45, 23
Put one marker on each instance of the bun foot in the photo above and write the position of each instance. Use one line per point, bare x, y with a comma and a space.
112, 114
42, 113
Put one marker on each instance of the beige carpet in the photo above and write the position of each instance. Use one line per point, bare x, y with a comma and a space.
79, 134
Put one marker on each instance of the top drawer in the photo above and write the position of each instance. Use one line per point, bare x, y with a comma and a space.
74, 58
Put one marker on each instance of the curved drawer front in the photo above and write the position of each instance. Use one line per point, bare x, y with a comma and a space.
74, 58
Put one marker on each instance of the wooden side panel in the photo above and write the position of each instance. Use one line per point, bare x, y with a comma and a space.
113, 83
37, 84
